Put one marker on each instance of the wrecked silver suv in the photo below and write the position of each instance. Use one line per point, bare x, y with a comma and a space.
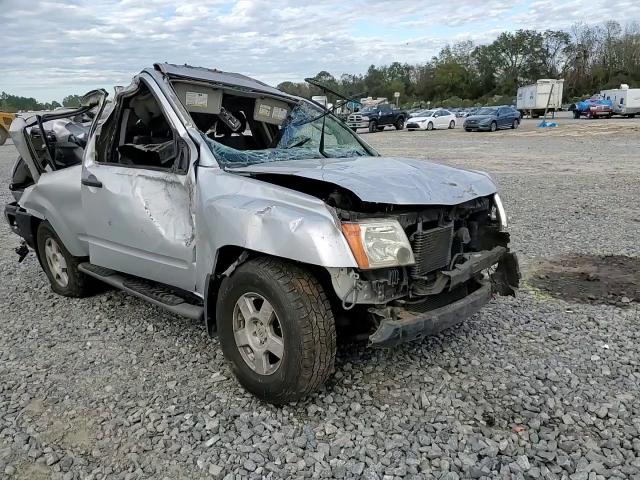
220, 198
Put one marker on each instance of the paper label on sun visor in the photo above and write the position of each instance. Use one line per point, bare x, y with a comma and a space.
279, 113
264, 110
197, 99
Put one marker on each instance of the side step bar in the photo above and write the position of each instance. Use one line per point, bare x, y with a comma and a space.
152, 292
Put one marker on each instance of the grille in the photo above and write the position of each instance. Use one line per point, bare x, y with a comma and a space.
431, 249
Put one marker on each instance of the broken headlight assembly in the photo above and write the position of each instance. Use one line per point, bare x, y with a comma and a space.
378, 243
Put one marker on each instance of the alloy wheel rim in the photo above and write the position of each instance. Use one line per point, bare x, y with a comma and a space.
56, 262
258, 334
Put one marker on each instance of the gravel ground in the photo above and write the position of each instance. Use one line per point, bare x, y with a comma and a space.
532, 387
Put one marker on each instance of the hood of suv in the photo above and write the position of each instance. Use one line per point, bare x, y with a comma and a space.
392, 180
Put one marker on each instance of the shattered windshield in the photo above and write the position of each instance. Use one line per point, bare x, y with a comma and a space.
298, 138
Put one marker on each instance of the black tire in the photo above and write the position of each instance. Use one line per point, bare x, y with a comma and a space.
3, 135
399, 124
576, 114
373, 126
304, 318
493, 127
452, 124
515, 123
77, 283
429, 126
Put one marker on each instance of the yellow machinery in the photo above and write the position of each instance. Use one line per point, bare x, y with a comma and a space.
5, 122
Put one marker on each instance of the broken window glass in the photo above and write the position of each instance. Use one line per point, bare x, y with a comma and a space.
299, 138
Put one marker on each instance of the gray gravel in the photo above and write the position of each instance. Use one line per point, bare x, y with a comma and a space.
110, 387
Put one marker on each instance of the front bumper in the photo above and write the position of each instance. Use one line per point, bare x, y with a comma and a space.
478, 127
404, 326
358, 124
401, 324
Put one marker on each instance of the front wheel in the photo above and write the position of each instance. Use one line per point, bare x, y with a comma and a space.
429, 126
576, 114
276, 329
3, 136
373, 126
494, 126
60, 266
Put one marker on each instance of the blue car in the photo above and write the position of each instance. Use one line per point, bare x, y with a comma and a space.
492, 118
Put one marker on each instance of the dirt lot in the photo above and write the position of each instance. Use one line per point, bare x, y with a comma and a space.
532, 387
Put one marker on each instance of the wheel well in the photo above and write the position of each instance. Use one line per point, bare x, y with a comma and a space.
229, 257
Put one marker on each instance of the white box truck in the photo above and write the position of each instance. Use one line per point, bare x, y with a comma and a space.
534, 99
625, 100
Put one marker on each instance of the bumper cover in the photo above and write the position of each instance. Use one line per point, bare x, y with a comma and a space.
362, 124
407, 326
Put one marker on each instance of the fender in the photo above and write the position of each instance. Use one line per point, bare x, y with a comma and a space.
235, 210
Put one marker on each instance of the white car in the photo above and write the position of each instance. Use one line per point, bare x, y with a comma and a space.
430, 119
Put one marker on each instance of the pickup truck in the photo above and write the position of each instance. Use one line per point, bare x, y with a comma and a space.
222, 199
375, 118
593, 108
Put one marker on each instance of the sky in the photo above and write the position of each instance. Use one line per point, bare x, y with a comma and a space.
53, 48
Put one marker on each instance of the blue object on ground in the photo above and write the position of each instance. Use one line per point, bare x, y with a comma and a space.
544, 124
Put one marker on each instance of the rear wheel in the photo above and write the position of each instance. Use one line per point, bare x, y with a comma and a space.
576, 114
399, 124
452, 124
60, 266
276, 329
3, 136
515, 124
373, 126
493, 127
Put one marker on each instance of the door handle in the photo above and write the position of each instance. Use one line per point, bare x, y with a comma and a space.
91, 181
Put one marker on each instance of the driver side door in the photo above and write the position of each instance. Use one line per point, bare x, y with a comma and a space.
136, 184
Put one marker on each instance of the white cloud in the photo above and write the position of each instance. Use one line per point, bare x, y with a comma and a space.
58, 47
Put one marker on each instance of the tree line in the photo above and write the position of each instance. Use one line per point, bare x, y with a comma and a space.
16, 103
589, 57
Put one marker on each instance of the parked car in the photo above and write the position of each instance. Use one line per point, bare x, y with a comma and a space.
431, 119
492, 119
222, 199
375, 118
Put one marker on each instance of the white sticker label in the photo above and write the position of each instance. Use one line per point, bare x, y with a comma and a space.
279, 113
197, 99
264, 110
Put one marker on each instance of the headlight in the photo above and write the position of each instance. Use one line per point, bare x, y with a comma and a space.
378, 243
498, 213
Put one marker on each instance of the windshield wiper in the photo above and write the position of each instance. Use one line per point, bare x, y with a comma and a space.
327, 111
